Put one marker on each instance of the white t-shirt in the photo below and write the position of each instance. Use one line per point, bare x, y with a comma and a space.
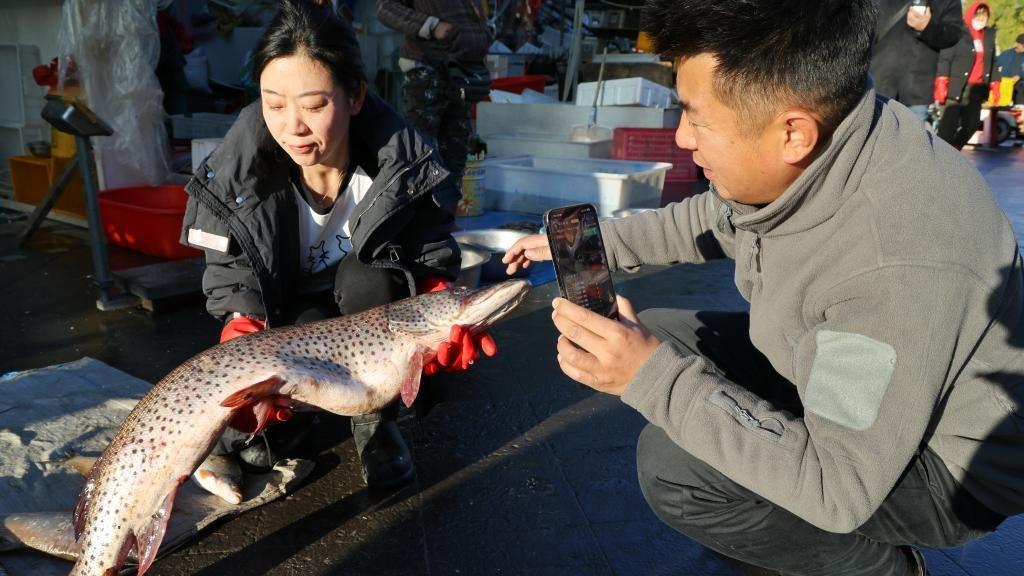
324, 239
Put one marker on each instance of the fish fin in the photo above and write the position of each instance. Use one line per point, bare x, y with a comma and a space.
82, 506
9, 539
81, 464
252, 393
131, 541
411, 384
149, 539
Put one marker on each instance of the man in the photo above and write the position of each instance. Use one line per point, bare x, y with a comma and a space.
907, 48
441, 36
1010, 65
871, 399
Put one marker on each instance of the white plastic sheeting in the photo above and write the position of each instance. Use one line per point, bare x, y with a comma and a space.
114, 46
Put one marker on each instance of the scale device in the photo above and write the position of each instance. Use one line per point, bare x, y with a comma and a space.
76, 119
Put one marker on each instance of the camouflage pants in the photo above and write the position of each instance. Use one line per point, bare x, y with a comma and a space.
436, 108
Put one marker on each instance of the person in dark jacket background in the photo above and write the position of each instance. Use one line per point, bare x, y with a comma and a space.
437, 33
965, 75
1010, 64
906, 50
321, 201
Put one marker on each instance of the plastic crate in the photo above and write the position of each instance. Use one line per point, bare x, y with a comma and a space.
201, 125
655, 145
535, 184
32, 177
146, 219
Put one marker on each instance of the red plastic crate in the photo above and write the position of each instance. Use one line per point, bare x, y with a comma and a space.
655, 145
517, 84
146, 219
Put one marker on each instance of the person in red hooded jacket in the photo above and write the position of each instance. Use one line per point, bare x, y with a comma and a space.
965, 76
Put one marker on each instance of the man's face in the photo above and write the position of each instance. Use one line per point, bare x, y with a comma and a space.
741, 164
1018, 47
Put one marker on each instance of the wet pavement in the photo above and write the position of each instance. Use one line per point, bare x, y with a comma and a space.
520, 470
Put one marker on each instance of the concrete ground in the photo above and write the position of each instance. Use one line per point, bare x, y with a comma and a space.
520, 470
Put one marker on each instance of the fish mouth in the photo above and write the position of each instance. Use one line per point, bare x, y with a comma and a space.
495, 301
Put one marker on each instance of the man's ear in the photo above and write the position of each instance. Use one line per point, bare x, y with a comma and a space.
800, 133
356, 100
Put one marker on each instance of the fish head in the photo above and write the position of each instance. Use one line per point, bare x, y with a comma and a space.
428, 318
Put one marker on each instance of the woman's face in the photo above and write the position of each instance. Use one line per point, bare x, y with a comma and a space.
305, 111
980, 20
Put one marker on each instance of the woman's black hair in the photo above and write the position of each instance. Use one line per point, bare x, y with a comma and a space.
311, 27
773, 53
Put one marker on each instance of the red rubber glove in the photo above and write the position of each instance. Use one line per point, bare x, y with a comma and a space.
240, 326
993, 90
941, 91
278, 408
459, 352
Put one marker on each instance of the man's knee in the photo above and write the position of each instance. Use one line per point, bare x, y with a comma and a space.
667, 323
683, 490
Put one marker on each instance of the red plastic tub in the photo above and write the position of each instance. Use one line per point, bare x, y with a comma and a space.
146, 219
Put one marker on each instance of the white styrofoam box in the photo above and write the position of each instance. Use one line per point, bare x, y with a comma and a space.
16, 83
625, 92
201, 148
505, 65
510, 145
558, 119
536, 184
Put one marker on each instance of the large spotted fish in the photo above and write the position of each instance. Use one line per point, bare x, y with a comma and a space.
349, 365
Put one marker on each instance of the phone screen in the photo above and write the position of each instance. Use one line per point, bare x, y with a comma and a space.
581, 265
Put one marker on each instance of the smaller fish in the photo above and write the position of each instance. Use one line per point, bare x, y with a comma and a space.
221, 476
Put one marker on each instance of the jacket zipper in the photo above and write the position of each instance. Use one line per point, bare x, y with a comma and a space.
755, 255
393, 179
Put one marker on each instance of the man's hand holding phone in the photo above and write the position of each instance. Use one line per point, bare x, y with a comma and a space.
608, 353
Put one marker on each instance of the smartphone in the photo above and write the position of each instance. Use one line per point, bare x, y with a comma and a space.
919, 6
581, 265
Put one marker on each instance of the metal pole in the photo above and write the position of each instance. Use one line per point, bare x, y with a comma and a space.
43, 208
100, 264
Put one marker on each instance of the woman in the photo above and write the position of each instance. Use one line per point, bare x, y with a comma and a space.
321, 201
965, 74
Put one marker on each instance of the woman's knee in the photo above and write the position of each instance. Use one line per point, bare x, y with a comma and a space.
358, 287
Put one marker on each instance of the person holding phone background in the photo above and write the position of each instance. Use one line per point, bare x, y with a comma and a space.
871, 399
908, 37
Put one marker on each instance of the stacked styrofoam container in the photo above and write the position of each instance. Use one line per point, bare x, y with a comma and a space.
625, 92
21, 101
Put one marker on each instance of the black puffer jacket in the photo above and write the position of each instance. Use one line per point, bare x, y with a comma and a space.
903, 63
242, 211
958, 61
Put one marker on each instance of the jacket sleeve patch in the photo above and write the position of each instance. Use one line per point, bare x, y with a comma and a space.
208, 240
849, 377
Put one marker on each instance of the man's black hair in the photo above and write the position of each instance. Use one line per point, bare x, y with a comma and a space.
771, 54
311, 27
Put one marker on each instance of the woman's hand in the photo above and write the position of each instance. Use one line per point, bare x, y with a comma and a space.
610, 352
533, 248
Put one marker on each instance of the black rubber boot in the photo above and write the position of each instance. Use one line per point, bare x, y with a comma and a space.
278, 442
383, 455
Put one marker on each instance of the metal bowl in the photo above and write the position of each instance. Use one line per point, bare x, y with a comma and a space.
473, 260
39, 148
496, 241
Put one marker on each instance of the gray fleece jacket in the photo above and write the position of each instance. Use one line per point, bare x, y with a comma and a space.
886, 285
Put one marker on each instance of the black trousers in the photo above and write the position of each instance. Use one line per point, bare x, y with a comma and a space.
435, 107
961, 119
926, 508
